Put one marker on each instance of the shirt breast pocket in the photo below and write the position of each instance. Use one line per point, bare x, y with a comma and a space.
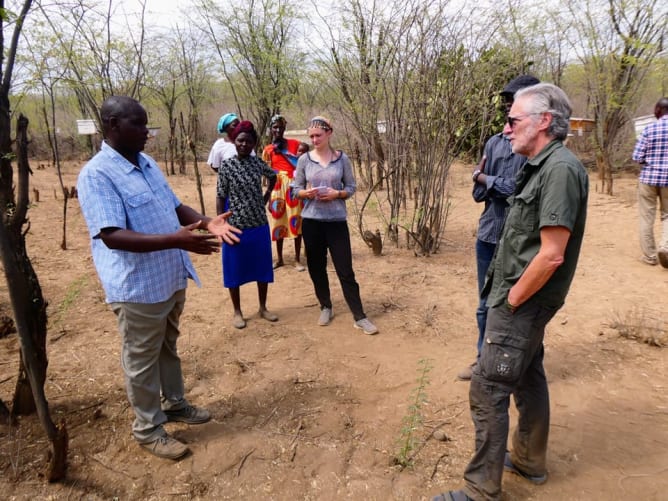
523, 214
136, 201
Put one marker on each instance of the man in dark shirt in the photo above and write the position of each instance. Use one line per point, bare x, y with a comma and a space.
527, 283
493, 182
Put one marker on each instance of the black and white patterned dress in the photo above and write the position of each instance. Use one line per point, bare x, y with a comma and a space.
240, 185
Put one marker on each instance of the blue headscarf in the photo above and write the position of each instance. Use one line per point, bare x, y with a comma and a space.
226, 120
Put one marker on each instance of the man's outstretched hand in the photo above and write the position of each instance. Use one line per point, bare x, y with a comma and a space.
225, 232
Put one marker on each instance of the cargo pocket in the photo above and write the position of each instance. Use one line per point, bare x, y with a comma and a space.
502, 357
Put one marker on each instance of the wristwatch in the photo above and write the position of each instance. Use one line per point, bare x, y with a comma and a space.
475, 175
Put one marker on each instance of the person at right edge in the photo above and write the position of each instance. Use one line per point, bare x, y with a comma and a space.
493, 182
527, 283
651, 152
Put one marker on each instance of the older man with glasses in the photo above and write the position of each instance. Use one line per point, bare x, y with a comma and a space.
493, 182
527, 284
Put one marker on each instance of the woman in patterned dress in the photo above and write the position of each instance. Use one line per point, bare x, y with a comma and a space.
240, 191
284, 211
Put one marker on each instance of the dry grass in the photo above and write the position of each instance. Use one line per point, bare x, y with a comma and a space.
642, 324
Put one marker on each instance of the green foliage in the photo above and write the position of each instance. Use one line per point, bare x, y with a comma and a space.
413, 420
256, 42
616, 42
493, 69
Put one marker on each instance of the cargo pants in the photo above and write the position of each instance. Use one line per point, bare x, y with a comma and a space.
511, 363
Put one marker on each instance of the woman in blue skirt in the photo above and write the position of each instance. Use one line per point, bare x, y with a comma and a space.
240, 191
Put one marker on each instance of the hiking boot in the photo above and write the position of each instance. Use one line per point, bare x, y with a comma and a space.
166, 447
189, 414
534, 479
663, 257
366, 325
326, 315
466, 373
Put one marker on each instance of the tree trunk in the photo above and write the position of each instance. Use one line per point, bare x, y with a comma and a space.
183, 147
172, 145
29, 309
5, 417
604, 172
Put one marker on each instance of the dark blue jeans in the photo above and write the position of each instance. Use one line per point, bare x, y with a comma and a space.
484, 253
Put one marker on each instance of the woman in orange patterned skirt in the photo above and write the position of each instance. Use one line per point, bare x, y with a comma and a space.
285, 212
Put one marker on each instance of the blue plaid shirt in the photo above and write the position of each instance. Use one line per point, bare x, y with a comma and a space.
651, 152
113, 193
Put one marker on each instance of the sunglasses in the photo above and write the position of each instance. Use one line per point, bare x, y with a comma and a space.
511, 121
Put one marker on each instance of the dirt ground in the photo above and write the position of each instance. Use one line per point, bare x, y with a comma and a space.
307, 412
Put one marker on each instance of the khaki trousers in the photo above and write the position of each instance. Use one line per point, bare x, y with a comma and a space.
150, 362
647, 201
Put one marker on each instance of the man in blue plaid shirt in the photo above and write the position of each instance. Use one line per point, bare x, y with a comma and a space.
140, 238
651, 152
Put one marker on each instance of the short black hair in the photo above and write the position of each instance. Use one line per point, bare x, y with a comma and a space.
117, 106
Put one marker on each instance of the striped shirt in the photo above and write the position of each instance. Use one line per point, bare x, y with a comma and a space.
338, 174
114, 193
501, 167
651, 152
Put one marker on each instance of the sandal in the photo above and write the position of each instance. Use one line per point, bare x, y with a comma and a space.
238, 322
267, 315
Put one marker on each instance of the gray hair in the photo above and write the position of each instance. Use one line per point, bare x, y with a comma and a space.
548, 98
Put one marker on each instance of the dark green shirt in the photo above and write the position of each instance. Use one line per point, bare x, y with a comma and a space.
551, 190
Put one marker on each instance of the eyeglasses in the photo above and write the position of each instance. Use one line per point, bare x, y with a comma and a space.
513, 120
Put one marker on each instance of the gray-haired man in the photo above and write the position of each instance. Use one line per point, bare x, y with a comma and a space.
527, 283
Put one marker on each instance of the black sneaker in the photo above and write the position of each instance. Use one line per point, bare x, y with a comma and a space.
189, 414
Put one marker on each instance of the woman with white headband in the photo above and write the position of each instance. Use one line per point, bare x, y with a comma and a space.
324, 180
